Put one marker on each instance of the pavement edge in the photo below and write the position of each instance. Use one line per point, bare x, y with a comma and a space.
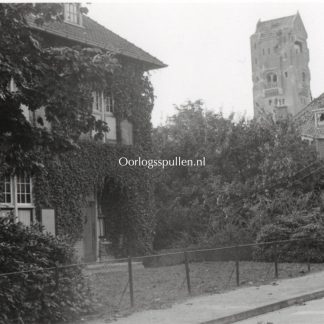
266, 309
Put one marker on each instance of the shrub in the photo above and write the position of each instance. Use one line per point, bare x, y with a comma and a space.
306, 228
35, 297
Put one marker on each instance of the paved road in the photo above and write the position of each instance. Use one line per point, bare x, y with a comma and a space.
310, 313
210, 307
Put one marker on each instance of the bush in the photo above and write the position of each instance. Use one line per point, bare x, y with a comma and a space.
34, 297
306, 228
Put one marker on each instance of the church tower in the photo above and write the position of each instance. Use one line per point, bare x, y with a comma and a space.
280, 73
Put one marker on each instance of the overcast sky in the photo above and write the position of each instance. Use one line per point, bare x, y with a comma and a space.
206, 46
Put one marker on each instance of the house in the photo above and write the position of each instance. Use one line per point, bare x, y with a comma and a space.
311, 123
280, 72
18, 194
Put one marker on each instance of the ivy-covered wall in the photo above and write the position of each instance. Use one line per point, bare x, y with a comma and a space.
69, 177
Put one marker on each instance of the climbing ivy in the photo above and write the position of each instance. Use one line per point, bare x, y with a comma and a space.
60, 81
126, 192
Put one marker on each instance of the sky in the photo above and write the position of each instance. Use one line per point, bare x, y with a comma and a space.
206, 46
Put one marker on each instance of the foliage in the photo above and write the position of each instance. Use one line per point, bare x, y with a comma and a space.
252, 175
126, 193
59, 80
66, 169
33, 297
307, 228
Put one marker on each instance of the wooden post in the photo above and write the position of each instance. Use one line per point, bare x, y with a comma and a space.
187, 272
130, 278
237, 266
276, 260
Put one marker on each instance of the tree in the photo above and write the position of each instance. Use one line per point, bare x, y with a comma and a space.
58, 79
252, 176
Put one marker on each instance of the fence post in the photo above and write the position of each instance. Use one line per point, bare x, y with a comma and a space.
187, 271
276, 260
57, 277
130, 278
308, 256
237, 266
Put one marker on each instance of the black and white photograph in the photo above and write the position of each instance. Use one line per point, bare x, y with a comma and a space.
161, 162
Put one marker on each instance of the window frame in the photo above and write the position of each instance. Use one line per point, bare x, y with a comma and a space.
14, 193
74, 16
103, 113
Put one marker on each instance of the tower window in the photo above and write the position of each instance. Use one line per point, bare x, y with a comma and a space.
286, 74
272, 80
303, 76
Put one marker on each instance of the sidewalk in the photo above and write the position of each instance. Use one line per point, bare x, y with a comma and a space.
210, 308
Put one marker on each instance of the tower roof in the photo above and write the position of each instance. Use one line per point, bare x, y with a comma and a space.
282, 22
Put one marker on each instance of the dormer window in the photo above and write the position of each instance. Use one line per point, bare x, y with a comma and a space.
72, 13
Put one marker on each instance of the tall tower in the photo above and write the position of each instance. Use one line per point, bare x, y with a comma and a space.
280, 73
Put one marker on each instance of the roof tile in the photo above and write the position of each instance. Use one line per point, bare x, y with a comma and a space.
94, 34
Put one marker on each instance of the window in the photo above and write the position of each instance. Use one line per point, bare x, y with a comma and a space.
263, 51
102, 103
269, 51
24, 187
109, 104
256, 61
103, 109
272, 80
320, 118
72, 13
19, 187
5, 191
299, 47
303, 76
270, 102
97, 101
16, 197
286, 74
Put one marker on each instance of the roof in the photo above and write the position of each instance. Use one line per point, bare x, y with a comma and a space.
276, 23
305, 119
93, 34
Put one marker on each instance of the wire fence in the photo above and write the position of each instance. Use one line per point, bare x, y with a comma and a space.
189, 272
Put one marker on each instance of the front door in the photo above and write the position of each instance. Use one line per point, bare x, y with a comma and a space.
90, 233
